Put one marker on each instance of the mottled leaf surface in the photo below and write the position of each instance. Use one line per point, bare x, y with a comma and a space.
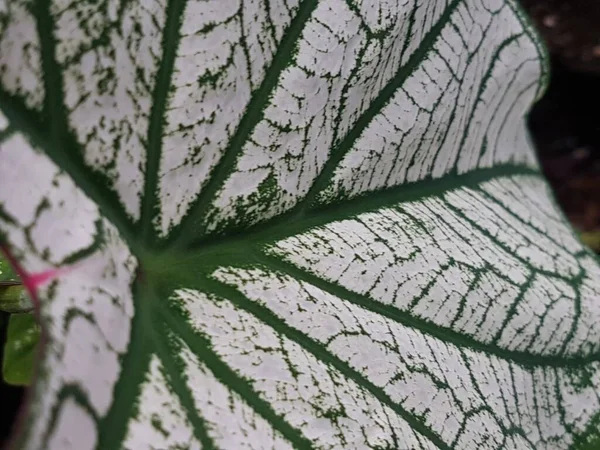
291, 224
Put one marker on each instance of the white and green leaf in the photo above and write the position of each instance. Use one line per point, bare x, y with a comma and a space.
290, 224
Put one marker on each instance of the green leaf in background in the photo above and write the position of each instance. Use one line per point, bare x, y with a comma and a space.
22, 333
291, 224
7, 273
13, 297
591, 239
20, 349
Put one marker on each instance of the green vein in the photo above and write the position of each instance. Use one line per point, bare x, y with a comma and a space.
134, 365
191, 224
509, 114
156, 123
589, 439
534, 205
68, 391
320, 352
54, 109
473, 413
523, 222
458, 236
477, 278
289, 224
541, 48
201, 347
245, 49
460, 83
524, 359
6, 133
572, 280
375, 108
51, 133
482, 85
577, 312
174, 369
93, 185
515, 429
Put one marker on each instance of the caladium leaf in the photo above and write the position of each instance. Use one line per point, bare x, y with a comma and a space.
20, 349
290, 224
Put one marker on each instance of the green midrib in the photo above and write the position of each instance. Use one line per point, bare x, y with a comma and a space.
253, 256
65, 154
185, 233
250, 255
191, 223
156, 123
295, 222
194, 267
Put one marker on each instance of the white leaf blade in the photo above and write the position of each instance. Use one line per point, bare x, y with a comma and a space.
457, 269
209, 100
266, 176
275, 361
160, 422
75, 428
21, 66
231, 422
86, 306
110, 115
456, 67
410, 366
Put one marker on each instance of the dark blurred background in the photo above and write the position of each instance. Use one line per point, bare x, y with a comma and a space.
565, 124
10, 396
